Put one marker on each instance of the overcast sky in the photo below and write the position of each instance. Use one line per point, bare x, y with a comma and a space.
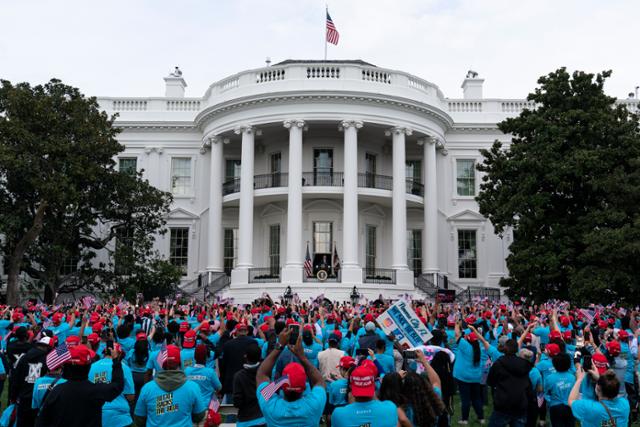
124, 48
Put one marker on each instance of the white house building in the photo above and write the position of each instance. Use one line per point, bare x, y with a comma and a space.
329, 158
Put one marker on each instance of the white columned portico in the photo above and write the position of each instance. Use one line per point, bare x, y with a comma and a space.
292, 271
430, 233
399, 199
215, 259
245, 220
351, 269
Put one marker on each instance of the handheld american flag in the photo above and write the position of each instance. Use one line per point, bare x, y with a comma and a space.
58, 356
273, 387
162, 354
332, 33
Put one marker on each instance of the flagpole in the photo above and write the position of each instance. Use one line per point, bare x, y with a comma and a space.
325, 30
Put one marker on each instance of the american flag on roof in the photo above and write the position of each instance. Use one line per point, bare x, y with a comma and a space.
332, 33
162, 354
58, 356
273, 387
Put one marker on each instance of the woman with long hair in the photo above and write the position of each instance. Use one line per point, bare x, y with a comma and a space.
423, 404
137, 359
468, 371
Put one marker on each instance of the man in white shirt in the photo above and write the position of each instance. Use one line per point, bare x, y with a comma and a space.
329, 359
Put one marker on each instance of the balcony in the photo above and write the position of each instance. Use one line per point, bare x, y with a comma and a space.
271, 180
331, 278
231, 186
415, 188
379, 275
264, 275
323, 179
370, 180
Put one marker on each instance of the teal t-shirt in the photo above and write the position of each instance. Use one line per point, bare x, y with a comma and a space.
557, 387
464, 369
542, 332
115, 413
169, 408
387, 362
206, 378
337, 392
304, 412
187, 358
374, 413
591, 413
40, 387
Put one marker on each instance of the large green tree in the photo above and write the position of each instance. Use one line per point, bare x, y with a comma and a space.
61, 196
568, 185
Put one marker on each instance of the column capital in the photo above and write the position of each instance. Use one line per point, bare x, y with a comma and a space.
249, 129
429, 140
290, 123
356, 124
397, 130
210, 140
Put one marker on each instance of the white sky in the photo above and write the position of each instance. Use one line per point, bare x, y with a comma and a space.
124, 48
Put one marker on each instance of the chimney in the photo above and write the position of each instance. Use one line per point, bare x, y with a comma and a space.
472, 86
175, 84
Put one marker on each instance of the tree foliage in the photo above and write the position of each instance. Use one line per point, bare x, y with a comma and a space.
61, 196
569, 186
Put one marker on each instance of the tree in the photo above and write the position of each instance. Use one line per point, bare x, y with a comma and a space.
569, 186
61, 197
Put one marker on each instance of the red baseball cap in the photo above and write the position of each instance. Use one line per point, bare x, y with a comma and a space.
141, 336
173, 355
567, 335
613, 347
93, 338
346, 362
297, 377
528, 337
264, 327
80, 355
600, 362
470, 320
184, 326
622, 334
57, 318
368, 317
189, 340
362, 382
555, 334
308, 328
553, 349
472, 337
240, 327
564, 321
97, 327
602, 324
204, 326
367, 363
72, 340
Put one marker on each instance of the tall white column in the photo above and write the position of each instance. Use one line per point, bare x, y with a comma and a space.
215, 259
245, 222
430, 232
351, 270
292, 271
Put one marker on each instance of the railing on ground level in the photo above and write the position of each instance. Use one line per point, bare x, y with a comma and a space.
414, 187
322, 179
379, 275
332, 277
217, 282
478, 292
371, 180
424, 282
231, 186
271, 180
264, 275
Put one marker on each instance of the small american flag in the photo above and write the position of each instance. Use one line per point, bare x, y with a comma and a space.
589, 315
268, 392
88, 301
58, 356
308, 267
332, 34
162, 354
214, 404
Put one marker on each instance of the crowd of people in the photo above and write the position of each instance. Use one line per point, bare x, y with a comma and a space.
317, 363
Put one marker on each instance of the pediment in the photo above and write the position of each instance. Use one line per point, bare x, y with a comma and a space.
467, 215
180, 213
272, 209
373, 210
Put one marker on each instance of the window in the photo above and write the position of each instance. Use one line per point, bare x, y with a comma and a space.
322, 237
323, 166
179, 248
70, 265
181, 176
414, 251
232, 170
466, 177
370, 246
370, 170
467, 254
274, 249
414, 171
276, 169
128, 165
124, 245
230, 249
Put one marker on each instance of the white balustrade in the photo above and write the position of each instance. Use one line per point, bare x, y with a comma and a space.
129, 105
465, 106
322, 72
270, 75
183, 105
374, 75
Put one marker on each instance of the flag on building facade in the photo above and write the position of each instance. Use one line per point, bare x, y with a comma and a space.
308, 266
335, 262
332, 33
58, 356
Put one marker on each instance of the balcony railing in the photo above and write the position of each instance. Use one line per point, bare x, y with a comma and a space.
415, 188
371, 180
379, 275
271, 180
231, 186
264, 275
322, 179
331, 278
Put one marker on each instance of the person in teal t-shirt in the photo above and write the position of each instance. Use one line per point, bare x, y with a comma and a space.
608, 410
117, 412
43, 384
205, 377
170, 399
557, 387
